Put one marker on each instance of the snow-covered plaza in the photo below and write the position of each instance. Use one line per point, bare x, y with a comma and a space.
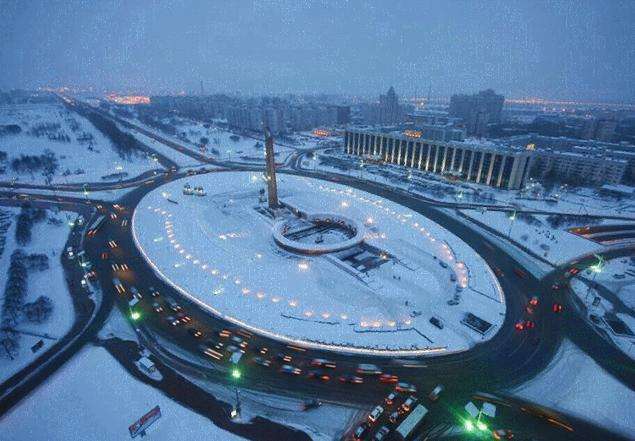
409, 287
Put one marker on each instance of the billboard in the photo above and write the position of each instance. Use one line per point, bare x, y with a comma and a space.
139, 426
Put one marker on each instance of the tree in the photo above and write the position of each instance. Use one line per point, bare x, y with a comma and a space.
38, 311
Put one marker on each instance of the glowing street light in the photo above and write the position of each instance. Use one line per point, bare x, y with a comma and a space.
236, 374
134, 315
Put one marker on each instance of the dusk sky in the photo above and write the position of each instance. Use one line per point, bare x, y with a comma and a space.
558, 50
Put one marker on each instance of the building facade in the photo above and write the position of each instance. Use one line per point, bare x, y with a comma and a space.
478, 110
481, 164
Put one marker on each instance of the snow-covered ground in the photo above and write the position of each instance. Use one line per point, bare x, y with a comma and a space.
49, 239
556, 245
85, 154
574, 383
179, 158
219, 250
577, 201
221, 145
612, 302
93, 398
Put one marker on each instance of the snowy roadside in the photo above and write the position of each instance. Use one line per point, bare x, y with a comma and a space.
574, 383
48, 238
93, 398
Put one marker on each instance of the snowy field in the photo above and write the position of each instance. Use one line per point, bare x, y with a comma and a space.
574, 383
93, 398
82, 152
221, 146
219, 250
47, 238
556, 245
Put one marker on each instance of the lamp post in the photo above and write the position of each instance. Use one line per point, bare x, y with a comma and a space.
597, 268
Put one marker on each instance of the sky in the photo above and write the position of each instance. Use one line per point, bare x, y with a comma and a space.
578, 49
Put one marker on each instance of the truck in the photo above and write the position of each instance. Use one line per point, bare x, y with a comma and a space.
95, 226
235, 358
406, 429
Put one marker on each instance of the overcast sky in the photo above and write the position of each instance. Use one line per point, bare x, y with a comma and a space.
551, 49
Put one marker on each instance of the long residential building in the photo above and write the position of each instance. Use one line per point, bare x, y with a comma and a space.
480, 163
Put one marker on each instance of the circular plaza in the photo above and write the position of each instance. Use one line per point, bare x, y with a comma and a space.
332, 267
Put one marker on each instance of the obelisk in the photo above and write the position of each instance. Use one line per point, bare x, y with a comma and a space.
272, 187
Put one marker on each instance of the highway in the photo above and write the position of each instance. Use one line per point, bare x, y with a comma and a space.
507, 360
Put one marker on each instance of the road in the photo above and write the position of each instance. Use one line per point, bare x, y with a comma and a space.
509, 359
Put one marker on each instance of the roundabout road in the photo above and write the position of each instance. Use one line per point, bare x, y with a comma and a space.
509, 359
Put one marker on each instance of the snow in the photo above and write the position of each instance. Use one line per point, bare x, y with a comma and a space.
47, 239
219, 251
243, 150
179, 158
555, 245
579, 201
74, 156
93, 398
574, 383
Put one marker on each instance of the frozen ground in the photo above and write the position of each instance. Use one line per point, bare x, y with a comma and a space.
574, 383
93, 398
47, 239
219, 250
85, 156
534, 232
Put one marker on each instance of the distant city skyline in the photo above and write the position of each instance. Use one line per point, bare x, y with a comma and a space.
556, 50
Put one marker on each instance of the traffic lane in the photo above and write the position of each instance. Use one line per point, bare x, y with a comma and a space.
508, 269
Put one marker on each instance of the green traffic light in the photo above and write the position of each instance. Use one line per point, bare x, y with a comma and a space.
135, 315
235, 373
469, 425
481, 425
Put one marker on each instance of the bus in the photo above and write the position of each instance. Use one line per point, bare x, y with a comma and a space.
412, 421
95, 226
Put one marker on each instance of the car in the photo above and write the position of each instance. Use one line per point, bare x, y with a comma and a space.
367, 369
530, 324
375, 414
157, 307
573, 271
520, 273
233, 349
443, 264
290, 370
533, 301
154, 292
361, 431
351, 379
318, 375
388, 378
261, 361
381, 434
173, 305
391, 398
323, 363
498, 272
556, 286
284, 357
394, 417
214, 344
436, 322
557, 307
172, 320
408, 404
434, 395
184, 317
520, 326
196, 333
406, 387
239, 341
262, 350
503, 434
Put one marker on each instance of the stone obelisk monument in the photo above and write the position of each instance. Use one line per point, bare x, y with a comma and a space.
272, 186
